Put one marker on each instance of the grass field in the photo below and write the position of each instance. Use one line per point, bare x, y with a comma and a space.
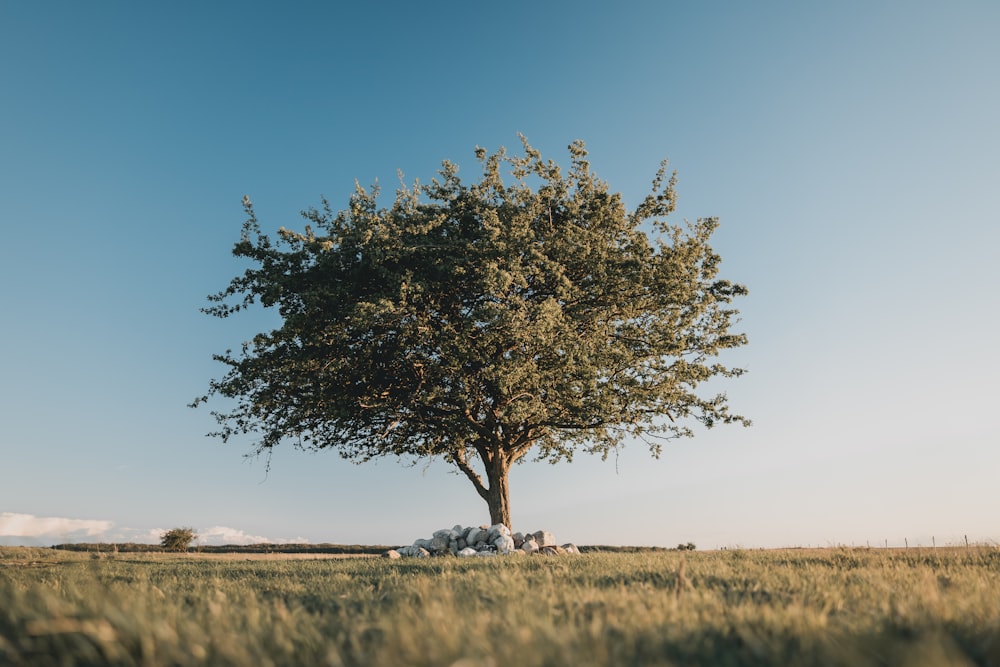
854, 607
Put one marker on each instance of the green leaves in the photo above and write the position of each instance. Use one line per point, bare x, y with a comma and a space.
526, 310
177, 539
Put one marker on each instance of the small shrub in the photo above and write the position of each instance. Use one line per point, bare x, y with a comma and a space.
177, 539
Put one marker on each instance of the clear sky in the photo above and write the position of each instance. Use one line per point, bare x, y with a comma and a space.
850, 150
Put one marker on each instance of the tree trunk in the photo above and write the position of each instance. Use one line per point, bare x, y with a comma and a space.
498, 493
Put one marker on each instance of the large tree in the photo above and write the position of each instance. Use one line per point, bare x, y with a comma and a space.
529, 311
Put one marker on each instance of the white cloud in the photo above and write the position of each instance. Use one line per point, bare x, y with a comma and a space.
30, 530
57, 528
136, 535
222, 535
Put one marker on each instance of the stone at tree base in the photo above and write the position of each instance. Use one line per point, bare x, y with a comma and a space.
482, 541
472, 537
504, 544
495, 531
439, 543
544, 538
414, 551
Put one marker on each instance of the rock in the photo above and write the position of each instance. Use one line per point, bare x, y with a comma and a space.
439, 543
504, 544
544, 538
413, 551
482, 541
495, 531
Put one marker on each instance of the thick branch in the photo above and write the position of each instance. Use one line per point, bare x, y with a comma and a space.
473, 476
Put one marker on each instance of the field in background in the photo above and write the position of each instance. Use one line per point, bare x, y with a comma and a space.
267, 549
793, 607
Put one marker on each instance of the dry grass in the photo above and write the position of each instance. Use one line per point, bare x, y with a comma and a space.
852, 607
237, 556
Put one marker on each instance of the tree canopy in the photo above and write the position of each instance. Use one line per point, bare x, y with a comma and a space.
530, 311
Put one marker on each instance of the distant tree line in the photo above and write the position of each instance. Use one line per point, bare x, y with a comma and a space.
131, 547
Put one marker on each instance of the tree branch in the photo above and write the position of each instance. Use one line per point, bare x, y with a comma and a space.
463, 465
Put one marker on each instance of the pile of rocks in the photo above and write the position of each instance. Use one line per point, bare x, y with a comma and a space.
483, 541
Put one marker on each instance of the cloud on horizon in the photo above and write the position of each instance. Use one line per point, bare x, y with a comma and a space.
223, 535
30, 530
30, 526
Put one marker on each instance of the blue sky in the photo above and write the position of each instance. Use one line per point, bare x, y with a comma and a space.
850, 150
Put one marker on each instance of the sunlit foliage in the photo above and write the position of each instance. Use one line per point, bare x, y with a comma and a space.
530, 311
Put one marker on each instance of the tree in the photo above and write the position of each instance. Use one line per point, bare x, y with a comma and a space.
177, 539
529, 311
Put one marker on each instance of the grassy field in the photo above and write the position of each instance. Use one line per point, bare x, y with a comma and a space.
852, 607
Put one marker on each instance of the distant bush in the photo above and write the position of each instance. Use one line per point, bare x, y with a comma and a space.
686, 547
177, 539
